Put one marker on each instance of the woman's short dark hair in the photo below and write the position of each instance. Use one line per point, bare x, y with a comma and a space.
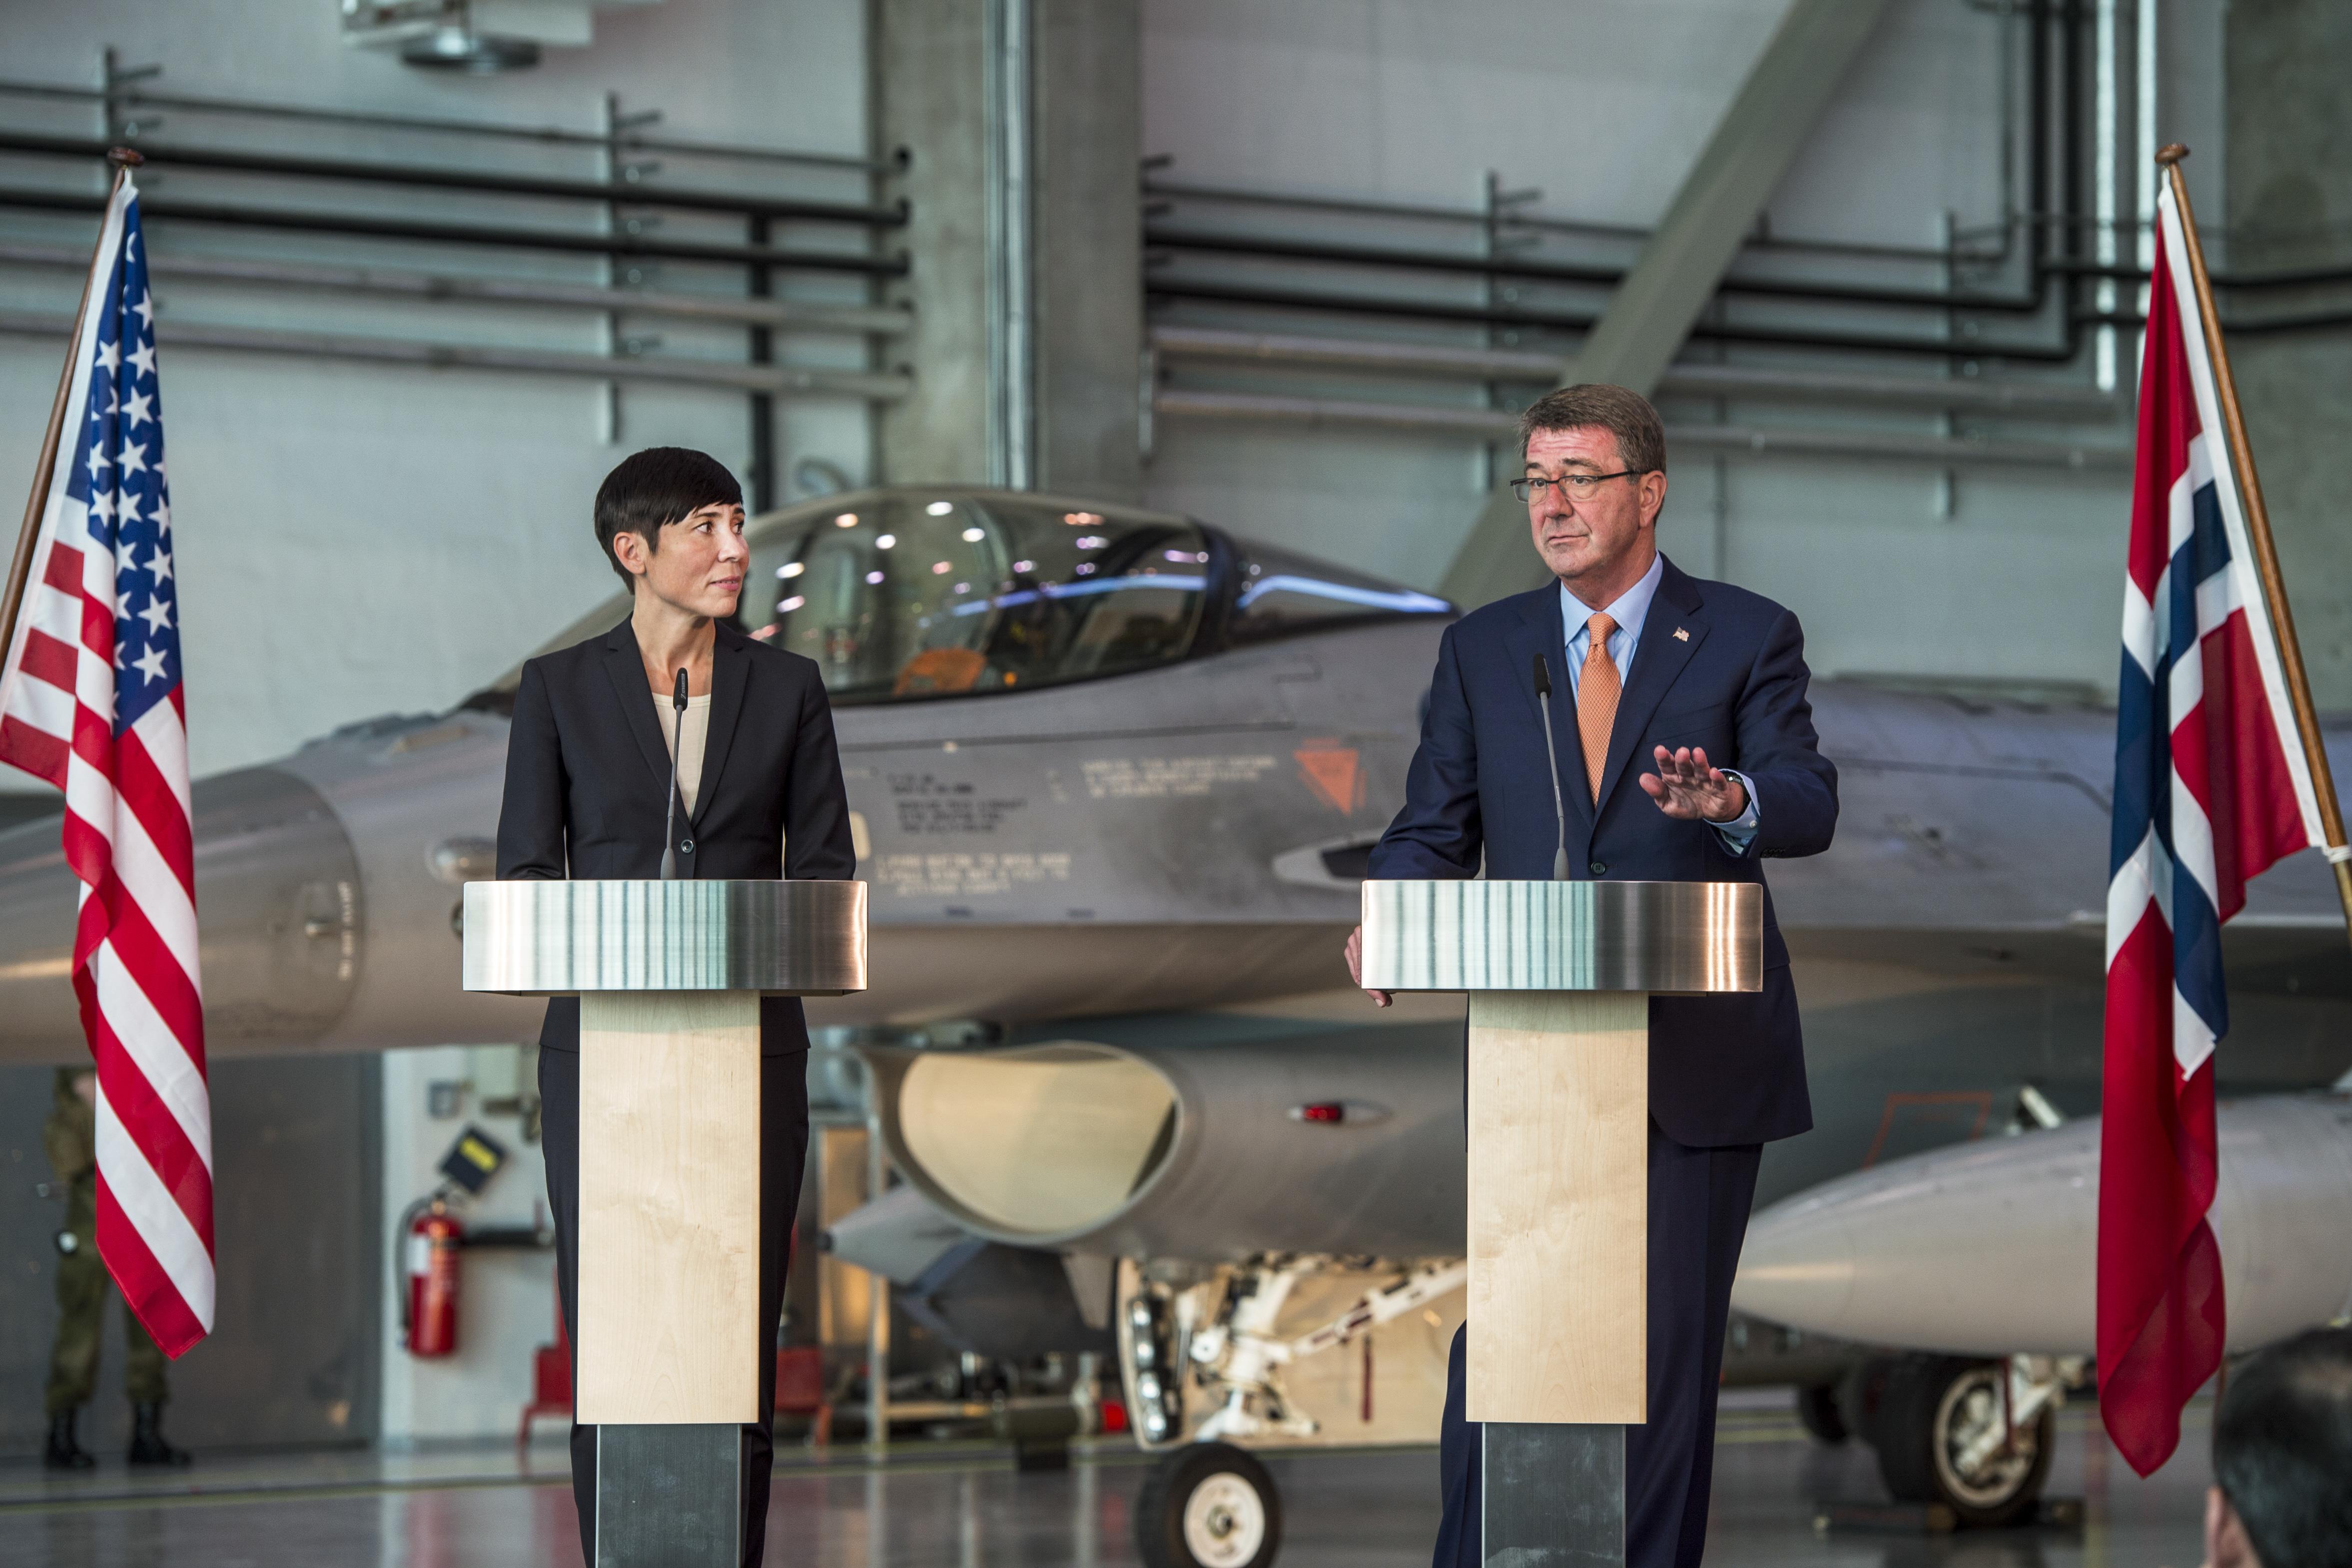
2282, 1449
1624, 413
654, 488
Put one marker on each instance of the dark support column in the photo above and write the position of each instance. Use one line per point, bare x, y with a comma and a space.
669, 1497
2286, 192
1554, 1496
763, 405
1071, 382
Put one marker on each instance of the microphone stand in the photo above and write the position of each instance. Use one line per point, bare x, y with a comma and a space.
1551, 755
677, 745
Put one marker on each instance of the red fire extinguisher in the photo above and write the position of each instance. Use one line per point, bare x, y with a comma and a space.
428, 1316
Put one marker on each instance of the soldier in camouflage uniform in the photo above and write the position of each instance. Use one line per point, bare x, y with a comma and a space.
71, 1134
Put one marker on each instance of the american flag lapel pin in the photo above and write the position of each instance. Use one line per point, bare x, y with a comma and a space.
1681, 635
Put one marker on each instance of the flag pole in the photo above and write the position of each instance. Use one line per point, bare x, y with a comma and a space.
2258, 528
20, 564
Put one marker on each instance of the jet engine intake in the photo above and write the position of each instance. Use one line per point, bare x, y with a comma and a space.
1188, 1148
278, 899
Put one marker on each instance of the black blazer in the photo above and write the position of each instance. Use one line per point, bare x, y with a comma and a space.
588, 776
1718, 667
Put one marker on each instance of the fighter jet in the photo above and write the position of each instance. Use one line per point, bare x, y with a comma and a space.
1275, 1207
1101, 759
1110, 767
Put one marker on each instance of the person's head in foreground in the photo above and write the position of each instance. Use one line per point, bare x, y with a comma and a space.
2281, 1493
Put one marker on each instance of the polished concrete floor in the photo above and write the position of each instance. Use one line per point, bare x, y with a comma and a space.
940, 1506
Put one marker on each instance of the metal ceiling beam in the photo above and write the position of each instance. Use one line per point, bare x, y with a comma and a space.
1656, 306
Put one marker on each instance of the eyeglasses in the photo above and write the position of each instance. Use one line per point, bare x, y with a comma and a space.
1576, 486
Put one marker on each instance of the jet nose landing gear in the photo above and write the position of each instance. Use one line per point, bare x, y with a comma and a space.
1208, 1505
1975, 1437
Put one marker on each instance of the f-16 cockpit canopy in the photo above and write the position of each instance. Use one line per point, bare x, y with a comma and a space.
912, 593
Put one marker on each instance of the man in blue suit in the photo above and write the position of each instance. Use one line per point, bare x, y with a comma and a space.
1703, 684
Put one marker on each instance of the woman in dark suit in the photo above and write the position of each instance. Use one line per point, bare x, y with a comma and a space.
759, 796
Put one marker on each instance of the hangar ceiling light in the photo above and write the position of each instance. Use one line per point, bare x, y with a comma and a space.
463, 49
483, 37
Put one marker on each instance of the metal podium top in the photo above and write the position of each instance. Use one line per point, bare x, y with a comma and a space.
553, 939
1564, 935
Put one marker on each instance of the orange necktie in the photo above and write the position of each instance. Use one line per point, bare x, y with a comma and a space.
1596, 690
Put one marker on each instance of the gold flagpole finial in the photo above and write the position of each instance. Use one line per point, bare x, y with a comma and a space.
2171, 153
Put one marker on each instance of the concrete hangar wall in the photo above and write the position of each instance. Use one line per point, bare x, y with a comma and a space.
459, 498
361, 538
1593, 114
1559, 134
411, 531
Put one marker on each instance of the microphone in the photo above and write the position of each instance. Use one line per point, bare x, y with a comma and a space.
677, 746
1551, 755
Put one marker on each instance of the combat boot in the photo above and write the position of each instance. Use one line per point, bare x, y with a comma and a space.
63, 1452
147, 1444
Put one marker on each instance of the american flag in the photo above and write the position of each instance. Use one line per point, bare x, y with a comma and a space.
91, 699
2211, 788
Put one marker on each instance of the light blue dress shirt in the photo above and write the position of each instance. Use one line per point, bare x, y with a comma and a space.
1629, 611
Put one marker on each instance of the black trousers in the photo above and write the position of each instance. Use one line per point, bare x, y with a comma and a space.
1700, 1200
783, 1157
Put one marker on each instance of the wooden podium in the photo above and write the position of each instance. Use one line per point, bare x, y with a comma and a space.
1560, 975
669, 974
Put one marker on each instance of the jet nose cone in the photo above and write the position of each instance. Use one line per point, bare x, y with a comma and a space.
1798, 1266
1988, 1248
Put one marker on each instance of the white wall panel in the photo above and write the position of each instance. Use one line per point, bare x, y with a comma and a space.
358, 540
1602, 105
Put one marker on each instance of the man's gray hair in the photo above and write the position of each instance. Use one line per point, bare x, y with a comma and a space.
1624, 414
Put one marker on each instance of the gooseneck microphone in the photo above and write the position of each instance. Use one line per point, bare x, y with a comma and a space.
1551, 755
677, 748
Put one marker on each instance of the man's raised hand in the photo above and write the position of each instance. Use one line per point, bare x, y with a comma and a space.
1688, 790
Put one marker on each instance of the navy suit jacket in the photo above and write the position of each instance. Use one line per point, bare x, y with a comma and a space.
588, 786
1718, 667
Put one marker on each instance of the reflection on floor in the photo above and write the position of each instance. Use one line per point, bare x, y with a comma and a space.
940, 1505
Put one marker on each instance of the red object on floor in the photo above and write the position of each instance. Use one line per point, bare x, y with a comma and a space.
800, 1383
800, 1380
551, 1380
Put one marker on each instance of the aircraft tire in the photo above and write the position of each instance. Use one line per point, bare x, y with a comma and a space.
1208, 1505
1818, 1413
1927, 1410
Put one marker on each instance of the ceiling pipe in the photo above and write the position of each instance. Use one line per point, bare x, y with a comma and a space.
784, 380
542, 135
879, 320
1358, 355
2060, 353
635, 193
1493, 425
573, 243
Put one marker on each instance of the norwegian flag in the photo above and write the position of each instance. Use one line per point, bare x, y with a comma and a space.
90, 700
2211, 788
